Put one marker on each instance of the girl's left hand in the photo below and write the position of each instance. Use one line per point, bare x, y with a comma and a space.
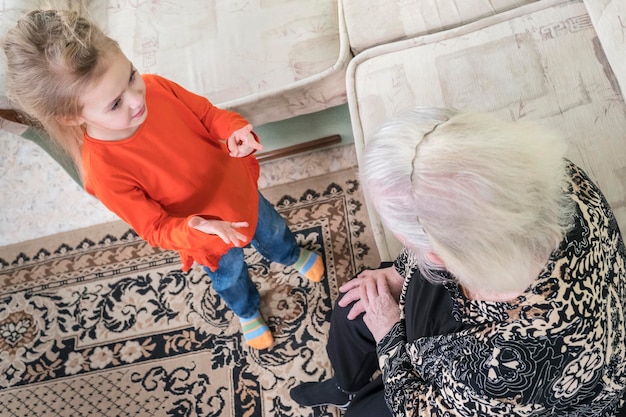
381, 309
227, 231
242, 143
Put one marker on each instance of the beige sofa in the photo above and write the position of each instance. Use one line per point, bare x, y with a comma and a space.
557, 61
561, 63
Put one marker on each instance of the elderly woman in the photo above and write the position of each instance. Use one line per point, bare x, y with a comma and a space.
508, 298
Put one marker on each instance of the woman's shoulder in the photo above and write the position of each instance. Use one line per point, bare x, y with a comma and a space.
584, 189
594, 215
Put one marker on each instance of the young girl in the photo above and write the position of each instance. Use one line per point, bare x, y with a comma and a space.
180, 171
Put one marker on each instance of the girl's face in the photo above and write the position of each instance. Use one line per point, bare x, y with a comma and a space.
114, 106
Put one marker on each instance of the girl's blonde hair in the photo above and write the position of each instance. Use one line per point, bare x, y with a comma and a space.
487, 196
52, 57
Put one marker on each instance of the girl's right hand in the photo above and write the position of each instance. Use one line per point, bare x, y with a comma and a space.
225, 230
242, 143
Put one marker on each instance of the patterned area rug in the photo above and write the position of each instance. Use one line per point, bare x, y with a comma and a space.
96, 322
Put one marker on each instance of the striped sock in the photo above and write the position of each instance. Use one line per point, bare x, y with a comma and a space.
310, 265
255, 332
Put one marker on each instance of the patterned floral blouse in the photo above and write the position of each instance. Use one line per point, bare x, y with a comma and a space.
558, 349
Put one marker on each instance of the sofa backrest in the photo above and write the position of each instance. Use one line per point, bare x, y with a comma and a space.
375, 22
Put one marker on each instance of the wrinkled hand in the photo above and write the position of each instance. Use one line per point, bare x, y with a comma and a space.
381, 309
242, 143
225, 230
390, 276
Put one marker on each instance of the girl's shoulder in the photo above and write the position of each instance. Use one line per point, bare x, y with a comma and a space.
159, 80
157, 84
155, 80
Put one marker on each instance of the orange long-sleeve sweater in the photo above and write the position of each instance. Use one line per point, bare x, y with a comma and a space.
174, 166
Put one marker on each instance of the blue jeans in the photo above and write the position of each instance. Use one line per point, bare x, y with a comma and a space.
272, 239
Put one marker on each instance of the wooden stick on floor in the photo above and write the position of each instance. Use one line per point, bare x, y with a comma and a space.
298, 148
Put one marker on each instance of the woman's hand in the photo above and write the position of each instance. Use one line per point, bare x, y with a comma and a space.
242, 143
389, 276
381, 309
225, 230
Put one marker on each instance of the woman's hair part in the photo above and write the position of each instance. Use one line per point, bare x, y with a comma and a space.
487, 196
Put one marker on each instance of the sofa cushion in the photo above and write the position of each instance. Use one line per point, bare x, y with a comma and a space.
542, 61
376, 22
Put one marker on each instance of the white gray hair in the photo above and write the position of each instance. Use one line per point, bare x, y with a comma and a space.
486, 196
